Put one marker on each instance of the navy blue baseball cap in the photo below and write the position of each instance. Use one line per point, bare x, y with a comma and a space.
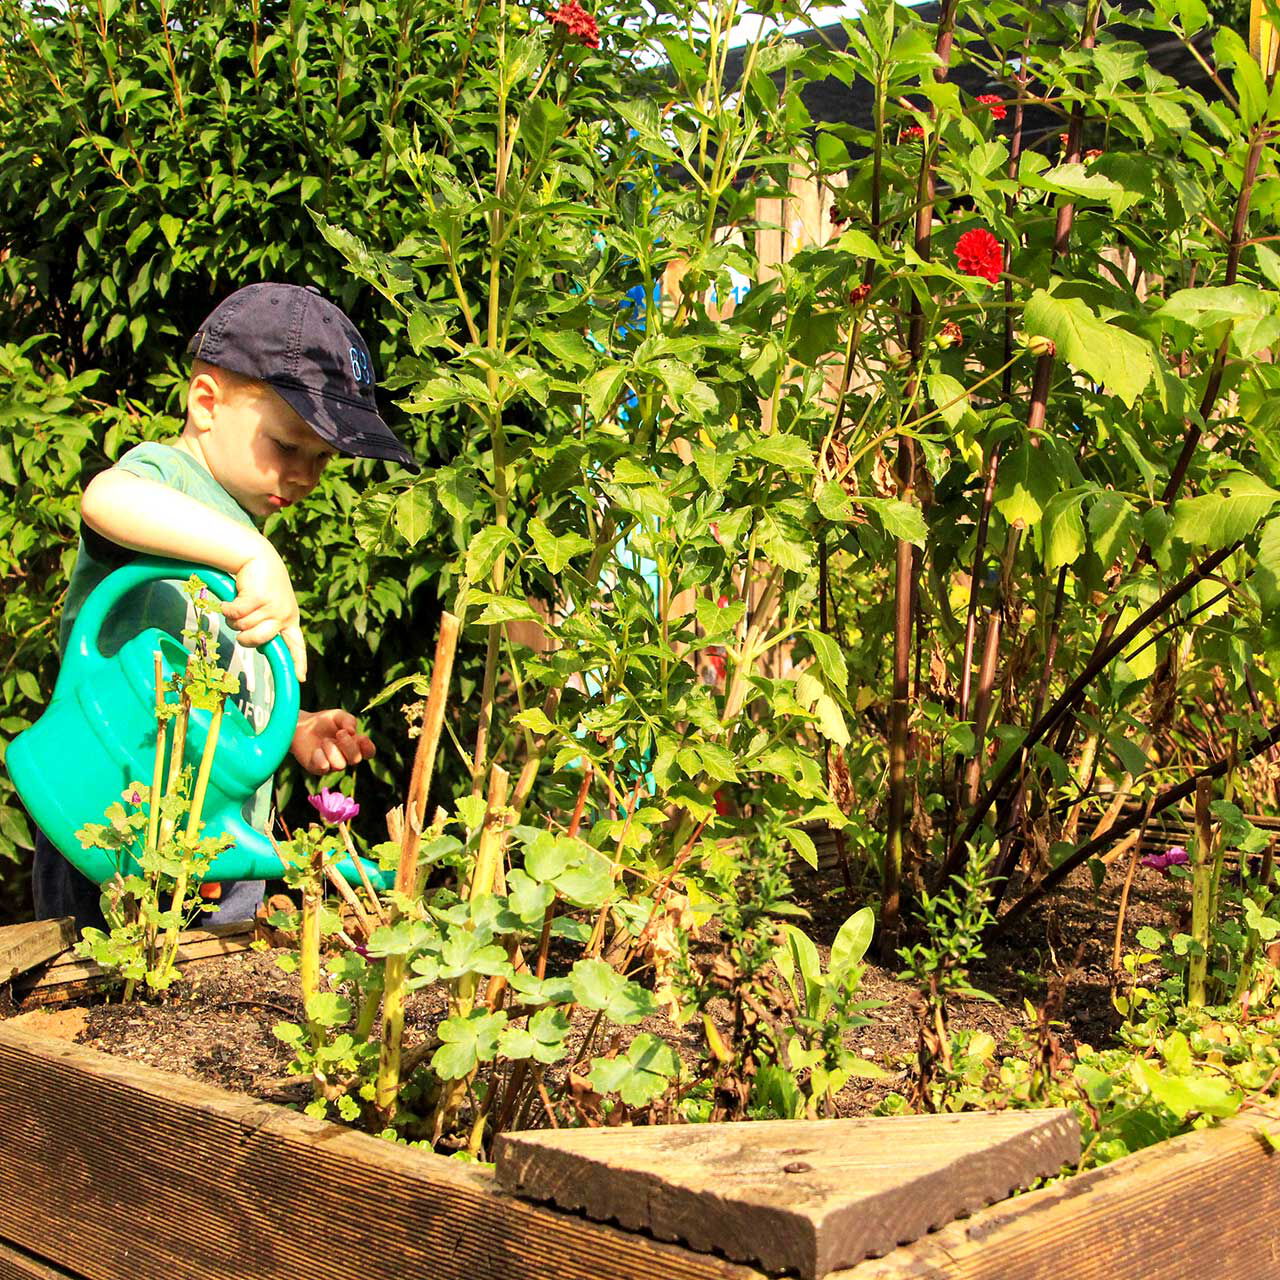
307, 350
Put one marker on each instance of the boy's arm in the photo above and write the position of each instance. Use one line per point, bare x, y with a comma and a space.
146, 516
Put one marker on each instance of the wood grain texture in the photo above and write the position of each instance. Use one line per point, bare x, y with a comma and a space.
69, 976
134, 1174
17, 1265
23, 946
1205, 1204
803, 1196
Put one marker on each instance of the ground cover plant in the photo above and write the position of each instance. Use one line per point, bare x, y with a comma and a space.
950, 530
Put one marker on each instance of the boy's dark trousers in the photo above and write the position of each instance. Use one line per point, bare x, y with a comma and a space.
58, 889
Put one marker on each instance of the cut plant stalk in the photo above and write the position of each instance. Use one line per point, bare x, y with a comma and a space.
395, 970
424, 756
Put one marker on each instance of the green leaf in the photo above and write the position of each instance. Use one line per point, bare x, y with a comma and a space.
641, 1076
596, 985
1249, 313
1110, 520
467, 1042
1120, 360
1027, 483
900, 519
802, 843
413, 512
830, 659
789, 452
851, 942
1239, 504
556, 552
503, 609
714, 465
1063, 529
484, 550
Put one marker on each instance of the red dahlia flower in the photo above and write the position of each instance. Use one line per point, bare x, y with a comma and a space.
996, 103
978, 253
577, 23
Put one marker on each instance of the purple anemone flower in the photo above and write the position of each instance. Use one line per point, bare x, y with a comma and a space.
333, 806
1174, 857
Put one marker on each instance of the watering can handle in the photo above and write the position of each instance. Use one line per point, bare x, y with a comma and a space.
273, 742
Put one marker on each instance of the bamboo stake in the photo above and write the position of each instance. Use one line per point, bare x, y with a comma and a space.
408, 882
425, 756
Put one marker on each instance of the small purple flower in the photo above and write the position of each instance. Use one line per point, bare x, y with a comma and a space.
333, 806
1173, 857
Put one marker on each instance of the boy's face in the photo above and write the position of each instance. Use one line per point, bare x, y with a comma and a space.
254, 444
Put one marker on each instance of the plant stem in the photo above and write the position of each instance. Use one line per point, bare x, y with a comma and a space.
1070, 695
1201, 897
1169, 797
169, 951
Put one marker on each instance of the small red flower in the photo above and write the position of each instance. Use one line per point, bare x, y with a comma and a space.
1092, 154
838, 218
859, 294
1064, 140
996, 103
577, 23
978, 253
913, 133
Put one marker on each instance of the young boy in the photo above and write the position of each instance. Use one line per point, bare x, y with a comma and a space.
281, 381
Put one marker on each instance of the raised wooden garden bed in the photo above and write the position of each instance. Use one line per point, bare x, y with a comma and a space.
114, 1171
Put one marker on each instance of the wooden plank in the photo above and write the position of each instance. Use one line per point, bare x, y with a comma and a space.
17, 1265
69, 977
1205, 1204
23, 946
793, 1195
123, 1172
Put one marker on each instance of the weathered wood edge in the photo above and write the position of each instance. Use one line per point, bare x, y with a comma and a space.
16, 1264
23, 946
574, 1170
119, 1171
1205, 1203
69, 976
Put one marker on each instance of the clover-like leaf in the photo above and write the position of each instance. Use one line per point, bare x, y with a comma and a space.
596, 985
641, 1075
466, 1042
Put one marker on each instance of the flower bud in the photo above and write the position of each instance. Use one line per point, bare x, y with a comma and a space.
1039, 345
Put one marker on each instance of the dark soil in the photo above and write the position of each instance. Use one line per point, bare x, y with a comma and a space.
217, 1025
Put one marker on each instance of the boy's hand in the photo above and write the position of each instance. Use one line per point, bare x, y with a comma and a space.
325, 741
265, 606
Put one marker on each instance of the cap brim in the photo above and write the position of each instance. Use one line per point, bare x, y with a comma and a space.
350, 428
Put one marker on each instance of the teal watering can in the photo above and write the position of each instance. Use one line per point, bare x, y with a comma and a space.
98, 734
